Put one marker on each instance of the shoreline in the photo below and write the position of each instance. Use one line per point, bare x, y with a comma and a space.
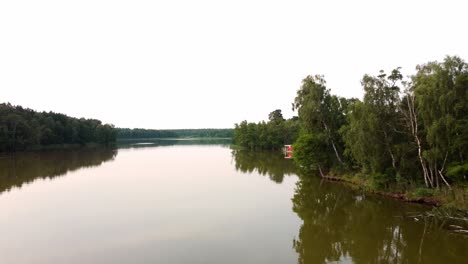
396, 196
432, 201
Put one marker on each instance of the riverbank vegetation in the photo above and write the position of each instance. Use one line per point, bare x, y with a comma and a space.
271, 135
407, 135
23, 129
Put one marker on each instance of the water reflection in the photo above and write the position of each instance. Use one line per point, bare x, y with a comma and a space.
272, 164
20, 168
342, 225
181, 204
153, 203
151, 143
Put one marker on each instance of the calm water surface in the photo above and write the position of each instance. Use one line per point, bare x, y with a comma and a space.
194, 203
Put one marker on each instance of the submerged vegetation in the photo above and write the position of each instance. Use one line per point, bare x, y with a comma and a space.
407, 135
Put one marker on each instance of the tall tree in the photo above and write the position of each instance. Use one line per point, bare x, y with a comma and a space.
320, 112
374, 131
441, 94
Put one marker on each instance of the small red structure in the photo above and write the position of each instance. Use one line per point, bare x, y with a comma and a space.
288, 151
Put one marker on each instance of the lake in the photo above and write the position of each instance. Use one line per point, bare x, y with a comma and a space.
201, 202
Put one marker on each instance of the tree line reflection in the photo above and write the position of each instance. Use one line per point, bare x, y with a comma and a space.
339, 224
17, 169
21, 168
344, 225
271, 164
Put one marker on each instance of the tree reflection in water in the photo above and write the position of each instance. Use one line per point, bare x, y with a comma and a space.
20, 168
272, 164
345, 225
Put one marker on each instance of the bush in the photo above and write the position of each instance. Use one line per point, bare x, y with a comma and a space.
422, 192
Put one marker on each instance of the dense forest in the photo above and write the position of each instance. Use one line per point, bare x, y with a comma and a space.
271, 135
139, 133
23, 128
404, 133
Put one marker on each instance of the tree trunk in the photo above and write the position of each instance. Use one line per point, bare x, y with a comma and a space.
332, 142
321, 172
442, 169
443, 178
431, 174
421, 160
336, 152
412, 122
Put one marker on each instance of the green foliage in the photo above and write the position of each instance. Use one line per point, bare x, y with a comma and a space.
441, 91
380, 181
276, 116
396, 139
127, 133
372, 134
457, 171
421, 192
271, 135
23, 128
322, 113
311, 152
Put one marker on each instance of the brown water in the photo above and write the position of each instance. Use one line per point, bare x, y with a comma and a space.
194, 203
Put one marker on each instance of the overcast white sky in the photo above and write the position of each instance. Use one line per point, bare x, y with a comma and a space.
197, 64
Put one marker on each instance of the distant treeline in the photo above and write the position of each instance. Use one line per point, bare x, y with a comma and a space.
405, 132
23, 128
271, 135
161, 142
139, 133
